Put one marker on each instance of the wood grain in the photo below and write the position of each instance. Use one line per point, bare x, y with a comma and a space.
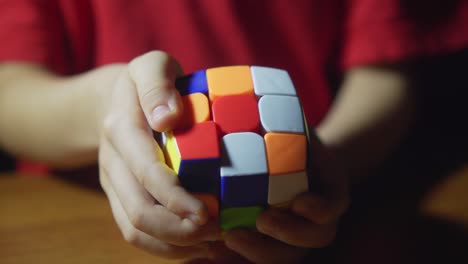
50, 221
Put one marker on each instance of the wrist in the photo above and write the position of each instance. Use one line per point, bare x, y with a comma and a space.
84, 100
102, 84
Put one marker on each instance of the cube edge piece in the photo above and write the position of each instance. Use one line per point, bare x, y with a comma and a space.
271, 123
192, 83
172, 152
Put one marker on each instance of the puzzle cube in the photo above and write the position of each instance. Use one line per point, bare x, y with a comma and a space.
242, 142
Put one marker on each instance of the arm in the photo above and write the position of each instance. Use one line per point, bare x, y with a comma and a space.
50, 118
109, 114
372, 113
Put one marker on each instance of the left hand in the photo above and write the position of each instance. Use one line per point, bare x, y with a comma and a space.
286, 235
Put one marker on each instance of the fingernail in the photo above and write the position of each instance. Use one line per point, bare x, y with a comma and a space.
160, 112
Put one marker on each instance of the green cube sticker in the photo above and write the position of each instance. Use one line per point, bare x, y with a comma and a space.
236, 217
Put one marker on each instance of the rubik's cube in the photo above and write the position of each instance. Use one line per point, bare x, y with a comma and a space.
242, 142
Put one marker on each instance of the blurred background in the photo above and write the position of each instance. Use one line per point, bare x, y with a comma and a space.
413, 210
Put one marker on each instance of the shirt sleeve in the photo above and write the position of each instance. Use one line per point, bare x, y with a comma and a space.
32, 31
389, 31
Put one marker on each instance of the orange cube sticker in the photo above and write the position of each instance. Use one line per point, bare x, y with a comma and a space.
233, 80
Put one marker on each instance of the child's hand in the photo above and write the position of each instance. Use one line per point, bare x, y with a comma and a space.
152, 210
310, 223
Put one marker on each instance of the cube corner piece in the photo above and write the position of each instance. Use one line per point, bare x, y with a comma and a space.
192, 83
272, 81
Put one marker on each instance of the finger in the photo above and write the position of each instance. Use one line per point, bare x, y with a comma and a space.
142, 210
127, 131
319, 210
328, 178
329, 196
145, 241
261, 249
154, 74
295, 230
142, 156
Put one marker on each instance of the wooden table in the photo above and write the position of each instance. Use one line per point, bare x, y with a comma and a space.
49, 220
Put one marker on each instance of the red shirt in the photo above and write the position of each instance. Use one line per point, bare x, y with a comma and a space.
312, 39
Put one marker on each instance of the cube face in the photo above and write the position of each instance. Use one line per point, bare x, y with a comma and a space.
248, 150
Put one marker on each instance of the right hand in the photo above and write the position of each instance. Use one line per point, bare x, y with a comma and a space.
150, 207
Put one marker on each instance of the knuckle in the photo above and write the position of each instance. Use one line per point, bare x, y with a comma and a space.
151, 56
157, 54
143, 173
137, 218
154, 91
140, 172
110, 125
173, 200
187, 237
115, 68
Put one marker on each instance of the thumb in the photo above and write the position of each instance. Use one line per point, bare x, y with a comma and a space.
154, 75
